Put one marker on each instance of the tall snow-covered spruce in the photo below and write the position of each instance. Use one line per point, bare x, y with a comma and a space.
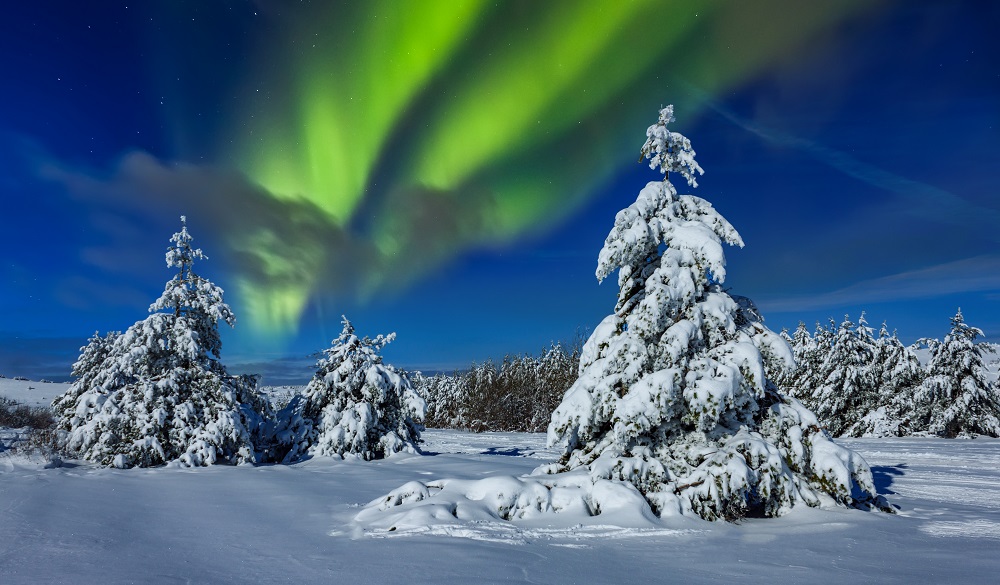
157, 393
355, 406
672, 395
673, 411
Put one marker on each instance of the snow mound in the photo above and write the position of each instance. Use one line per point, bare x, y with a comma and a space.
544, 505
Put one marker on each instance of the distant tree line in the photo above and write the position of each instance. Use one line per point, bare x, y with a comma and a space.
864, 385
858, 383
518, 394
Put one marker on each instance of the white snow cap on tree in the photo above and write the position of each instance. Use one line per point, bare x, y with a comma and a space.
354, 406
673, 395
157, 393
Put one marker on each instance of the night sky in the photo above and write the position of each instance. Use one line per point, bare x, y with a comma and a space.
449, 170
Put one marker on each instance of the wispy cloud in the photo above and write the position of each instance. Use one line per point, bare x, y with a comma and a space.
283, 252
921, 199
977, 274
288, 245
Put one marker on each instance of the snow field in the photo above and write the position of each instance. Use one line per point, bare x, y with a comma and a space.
298, 523
32, 393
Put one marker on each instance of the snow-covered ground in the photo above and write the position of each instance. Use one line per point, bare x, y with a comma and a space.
31, 392
296, 524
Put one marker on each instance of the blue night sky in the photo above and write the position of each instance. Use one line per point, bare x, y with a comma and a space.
449, 170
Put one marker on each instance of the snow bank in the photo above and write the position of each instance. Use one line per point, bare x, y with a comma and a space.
568, 498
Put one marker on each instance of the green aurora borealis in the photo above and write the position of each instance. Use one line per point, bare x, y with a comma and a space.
420, 130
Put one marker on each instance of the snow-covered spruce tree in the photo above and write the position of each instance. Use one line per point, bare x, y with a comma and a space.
672, 394
958, 399
809, 357
848, 388
157, 393
86, 368
775, 351
441, 392
900, 377
355, 405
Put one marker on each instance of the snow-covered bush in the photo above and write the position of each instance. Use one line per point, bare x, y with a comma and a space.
354, 406
14, 415
417, 505
672, 395
32, 430
956, 398
157, 392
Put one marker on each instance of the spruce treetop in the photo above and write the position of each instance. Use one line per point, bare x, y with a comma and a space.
670, 151
190, 298
959, 328
664, 244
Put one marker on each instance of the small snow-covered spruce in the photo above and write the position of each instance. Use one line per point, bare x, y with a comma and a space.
900, 373
849, 384
809, 356
958, 399
157, 392
355, 405
672, 395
